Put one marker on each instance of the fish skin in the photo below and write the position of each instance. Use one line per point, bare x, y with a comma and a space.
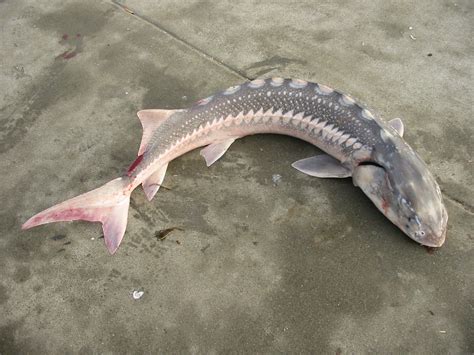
381, 162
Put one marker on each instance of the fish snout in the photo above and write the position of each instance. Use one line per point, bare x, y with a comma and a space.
434, 235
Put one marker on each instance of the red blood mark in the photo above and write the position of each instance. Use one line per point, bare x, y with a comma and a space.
385, 206
65, 37
69, 54
134, 165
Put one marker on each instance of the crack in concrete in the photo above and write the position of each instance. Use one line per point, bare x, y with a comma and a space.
169, 33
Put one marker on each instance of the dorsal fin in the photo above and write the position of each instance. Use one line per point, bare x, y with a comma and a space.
151, 120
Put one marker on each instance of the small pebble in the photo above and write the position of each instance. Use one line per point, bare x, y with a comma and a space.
137, 294
276, 178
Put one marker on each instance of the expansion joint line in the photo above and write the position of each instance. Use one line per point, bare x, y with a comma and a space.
185, 43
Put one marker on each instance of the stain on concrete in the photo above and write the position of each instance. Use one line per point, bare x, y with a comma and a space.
22, 274
274, 63
164, 90
54, 84
58, 237
76, 18
3, 294
46, 88
8, 339
378, 54
393, 30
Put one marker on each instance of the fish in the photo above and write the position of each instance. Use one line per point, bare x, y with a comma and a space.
356, 143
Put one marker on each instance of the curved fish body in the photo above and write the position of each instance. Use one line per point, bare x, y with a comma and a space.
356, 144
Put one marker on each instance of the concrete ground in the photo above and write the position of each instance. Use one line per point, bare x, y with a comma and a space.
303, 265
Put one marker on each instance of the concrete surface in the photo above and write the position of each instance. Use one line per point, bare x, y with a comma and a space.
306, 265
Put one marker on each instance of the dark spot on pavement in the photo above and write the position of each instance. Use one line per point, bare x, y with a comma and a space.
76, 17
3, 294
58, 237
163, 233
22, 274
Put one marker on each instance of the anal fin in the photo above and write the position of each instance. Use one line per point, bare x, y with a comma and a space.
152, 184
214, 151
322, 166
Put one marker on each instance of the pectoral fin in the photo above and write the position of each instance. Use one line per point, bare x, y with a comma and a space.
397, 125
216, 150
322, 166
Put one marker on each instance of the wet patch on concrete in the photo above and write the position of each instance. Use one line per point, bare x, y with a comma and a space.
76, 18
394, 29
55, 84
164, 90
3, 294
22, 274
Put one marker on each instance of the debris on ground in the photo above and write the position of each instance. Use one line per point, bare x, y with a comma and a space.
276, 178
163, 233
127, 9
137, 294
58, 237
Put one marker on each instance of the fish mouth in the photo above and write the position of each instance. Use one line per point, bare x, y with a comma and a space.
435, 240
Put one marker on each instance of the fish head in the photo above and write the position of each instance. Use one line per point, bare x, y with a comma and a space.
403, 189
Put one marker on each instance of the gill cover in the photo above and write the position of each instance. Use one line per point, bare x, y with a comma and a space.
373, 181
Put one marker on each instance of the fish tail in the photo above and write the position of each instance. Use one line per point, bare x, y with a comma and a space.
107, 204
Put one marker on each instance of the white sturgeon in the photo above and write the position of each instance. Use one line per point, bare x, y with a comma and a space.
357, 144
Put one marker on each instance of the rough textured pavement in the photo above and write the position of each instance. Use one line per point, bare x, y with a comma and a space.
298, 266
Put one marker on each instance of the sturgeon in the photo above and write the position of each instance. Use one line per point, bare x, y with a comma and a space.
357, 144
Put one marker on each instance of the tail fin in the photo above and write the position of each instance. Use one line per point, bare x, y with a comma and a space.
107, 204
